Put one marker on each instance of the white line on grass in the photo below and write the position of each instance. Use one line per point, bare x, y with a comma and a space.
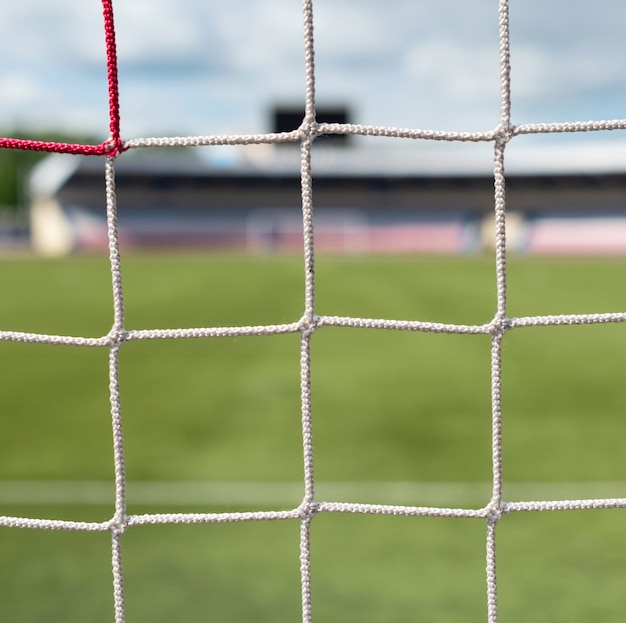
55, 492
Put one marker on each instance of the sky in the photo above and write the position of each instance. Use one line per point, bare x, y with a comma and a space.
199, 67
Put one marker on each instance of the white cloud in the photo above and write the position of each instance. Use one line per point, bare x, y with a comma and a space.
156, 31
349, 32
37, 32
215, 66
263, 36
445, 65
18, 90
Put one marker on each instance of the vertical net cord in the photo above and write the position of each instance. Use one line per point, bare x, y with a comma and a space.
117, 337
308, 321
503, 136
500, 320
118, 333
495, 506
115, 141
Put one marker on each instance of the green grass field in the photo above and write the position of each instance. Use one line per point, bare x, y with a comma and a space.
388, 407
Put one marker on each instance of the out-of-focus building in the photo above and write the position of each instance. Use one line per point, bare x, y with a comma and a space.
366, 200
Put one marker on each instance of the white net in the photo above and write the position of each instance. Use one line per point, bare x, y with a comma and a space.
310, 322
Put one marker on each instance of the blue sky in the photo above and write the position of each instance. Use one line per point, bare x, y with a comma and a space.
217, 66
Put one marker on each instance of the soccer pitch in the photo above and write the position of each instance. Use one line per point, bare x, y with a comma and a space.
401, 415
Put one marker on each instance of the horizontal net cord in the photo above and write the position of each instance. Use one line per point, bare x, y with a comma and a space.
213, 332
309, 509
118, 526
314, 508
568, 126
214, 140
566, 319
235, 517
564, 505
112, 146
507, 131
401, 325
102, 149
55, 524
398, 510
408, 133
54, 340
497, 326
379, 131
116, 336
213, 518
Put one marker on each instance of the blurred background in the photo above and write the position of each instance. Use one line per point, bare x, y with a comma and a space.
195, 68
404, 229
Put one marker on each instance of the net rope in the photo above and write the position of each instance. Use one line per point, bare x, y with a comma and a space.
310, 322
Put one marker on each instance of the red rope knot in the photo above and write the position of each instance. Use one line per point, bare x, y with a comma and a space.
113, 147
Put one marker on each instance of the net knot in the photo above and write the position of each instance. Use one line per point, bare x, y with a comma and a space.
309, 130
308, 325
117, 336
118, 526
504, 134
113, 147
494, 513
308, 509
500, 325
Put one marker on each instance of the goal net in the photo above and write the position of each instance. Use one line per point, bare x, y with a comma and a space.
310, 322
